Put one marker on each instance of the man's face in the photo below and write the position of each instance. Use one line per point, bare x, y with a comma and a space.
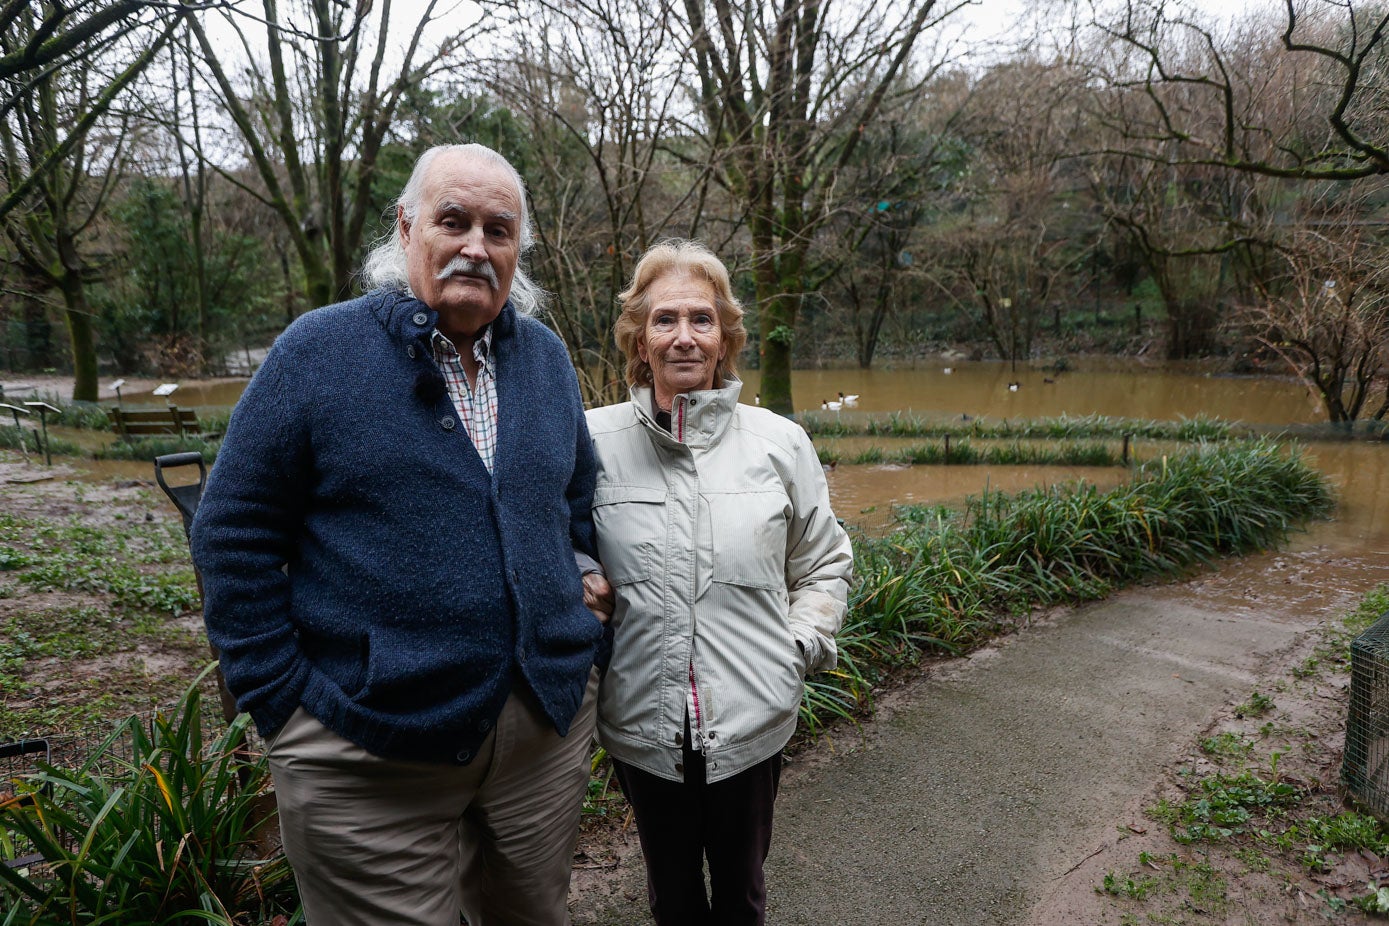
683, 340
461, 250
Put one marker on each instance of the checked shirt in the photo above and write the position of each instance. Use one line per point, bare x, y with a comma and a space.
477, 407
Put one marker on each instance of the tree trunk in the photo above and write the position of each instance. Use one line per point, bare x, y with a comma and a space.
1191, 330
79, 323
776, 325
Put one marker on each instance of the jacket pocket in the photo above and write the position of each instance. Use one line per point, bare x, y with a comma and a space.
631, 523
748, 537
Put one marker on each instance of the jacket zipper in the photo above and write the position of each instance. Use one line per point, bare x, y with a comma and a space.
698, 715
680, 402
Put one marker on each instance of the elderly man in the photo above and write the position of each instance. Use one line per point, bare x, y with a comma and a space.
388, 547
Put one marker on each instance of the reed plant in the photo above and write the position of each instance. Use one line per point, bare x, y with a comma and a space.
174, 833
10, 438
1063, 427
945, 581
86, 416
962, 452
147, 448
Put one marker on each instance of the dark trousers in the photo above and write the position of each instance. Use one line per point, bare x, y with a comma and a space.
680, 824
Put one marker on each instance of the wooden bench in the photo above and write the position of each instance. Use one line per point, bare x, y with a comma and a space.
156, 422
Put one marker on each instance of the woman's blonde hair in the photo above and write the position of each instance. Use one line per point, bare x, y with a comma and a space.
677, 256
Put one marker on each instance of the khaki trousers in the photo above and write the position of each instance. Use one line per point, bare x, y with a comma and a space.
379, 842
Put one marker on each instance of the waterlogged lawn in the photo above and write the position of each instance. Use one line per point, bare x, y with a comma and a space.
95, 602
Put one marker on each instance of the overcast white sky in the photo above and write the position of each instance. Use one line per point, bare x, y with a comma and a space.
1001, 19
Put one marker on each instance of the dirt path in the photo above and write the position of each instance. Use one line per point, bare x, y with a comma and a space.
992, 789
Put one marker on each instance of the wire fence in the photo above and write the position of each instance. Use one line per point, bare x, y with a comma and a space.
1365, 768
107, 748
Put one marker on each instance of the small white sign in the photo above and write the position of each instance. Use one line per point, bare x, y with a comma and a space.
165, 388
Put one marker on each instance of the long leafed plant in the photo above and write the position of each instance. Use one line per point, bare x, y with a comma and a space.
160, 825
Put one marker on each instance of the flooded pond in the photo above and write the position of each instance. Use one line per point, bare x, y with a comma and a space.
1102, 387
1112, 387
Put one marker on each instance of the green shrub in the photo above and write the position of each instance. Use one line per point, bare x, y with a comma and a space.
11, 436
962, 452
86, 416
169, 835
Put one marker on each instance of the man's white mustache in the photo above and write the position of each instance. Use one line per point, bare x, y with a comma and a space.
482, 268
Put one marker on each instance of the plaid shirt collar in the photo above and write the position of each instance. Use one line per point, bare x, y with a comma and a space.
444, 348
476, 406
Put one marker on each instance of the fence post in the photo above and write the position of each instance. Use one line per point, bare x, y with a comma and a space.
1126, 450
947, 449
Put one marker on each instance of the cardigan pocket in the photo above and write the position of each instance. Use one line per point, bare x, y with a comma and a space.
630, 522
345, 660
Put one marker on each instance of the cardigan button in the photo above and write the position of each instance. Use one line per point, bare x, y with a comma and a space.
410, 351
680, 768
484, 726
465, 755
679, 738
420, 318
447, 422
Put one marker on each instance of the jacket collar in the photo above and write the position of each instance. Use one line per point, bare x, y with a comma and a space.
697, 419
409, 319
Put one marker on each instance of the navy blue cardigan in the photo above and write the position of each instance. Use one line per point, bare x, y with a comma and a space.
358, 559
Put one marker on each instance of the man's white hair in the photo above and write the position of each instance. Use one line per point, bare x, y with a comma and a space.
386, 266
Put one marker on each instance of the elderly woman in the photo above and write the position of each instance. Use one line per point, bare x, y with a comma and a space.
730, 574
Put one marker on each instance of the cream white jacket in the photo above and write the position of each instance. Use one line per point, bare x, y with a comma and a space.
723, 553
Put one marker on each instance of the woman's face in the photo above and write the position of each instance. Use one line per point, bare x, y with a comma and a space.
682, 341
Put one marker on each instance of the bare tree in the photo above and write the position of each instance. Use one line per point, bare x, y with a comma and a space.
1327, 318
784, 93
48, 43
1194, 87
1007, 254
905, 180
1189, 216
598, 84
63, 151
314, 129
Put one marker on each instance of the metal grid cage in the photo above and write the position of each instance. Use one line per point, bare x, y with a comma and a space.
1365, 767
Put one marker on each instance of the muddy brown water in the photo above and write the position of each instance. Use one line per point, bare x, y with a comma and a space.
1113, 387
1099, 387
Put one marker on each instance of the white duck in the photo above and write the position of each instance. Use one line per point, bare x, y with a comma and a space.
828, 406
848, 401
